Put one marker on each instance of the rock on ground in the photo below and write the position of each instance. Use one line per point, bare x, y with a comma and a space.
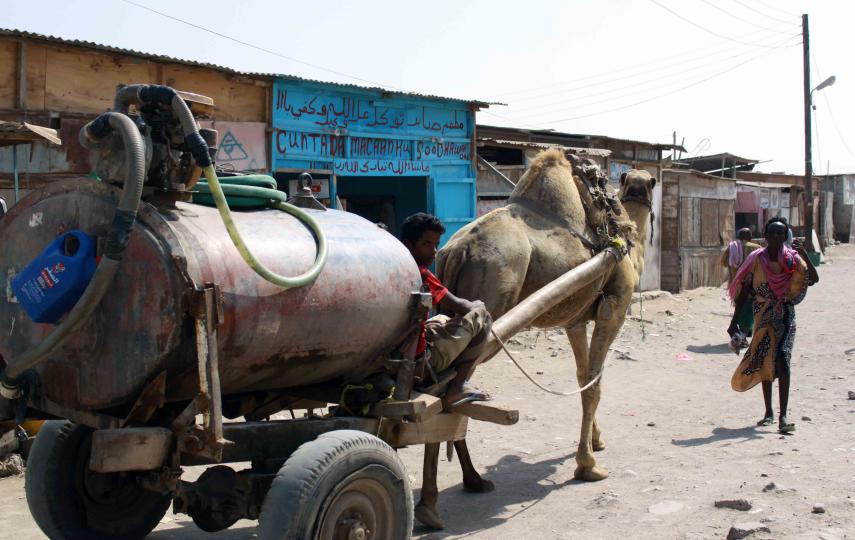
741, 530
734, 504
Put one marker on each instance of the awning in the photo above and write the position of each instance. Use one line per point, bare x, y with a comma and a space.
13, 133
747, 202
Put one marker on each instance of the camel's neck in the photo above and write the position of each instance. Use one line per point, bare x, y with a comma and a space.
640, 215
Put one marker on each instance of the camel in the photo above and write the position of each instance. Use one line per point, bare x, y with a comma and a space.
504, 256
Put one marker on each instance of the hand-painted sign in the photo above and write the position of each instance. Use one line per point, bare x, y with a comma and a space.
364, 132
357, 113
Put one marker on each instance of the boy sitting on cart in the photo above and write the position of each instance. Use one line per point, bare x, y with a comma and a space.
448, 341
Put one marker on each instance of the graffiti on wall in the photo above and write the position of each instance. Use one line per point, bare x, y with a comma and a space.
243, 145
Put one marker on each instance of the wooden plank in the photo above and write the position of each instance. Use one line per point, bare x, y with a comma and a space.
129, 449
235, 100
396, 409
489, 412
36, 76
439, 428
8, 73
690, 230
710, 230
433, 405
419, 408
726, 220
86, 81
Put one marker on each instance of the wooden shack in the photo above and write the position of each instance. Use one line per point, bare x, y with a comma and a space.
697, 223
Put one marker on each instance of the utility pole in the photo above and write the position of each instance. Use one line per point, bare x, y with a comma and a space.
808, 218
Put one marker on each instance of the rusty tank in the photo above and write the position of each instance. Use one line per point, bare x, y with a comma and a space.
269, 338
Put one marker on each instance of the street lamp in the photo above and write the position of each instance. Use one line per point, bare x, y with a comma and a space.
809, 177
826, 83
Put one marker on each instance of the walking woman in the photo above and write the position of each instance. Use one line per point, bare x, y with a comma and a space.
777, 277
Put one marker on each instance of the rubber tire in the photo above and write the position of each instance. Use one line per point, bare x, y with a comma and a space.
301, 487
55, 500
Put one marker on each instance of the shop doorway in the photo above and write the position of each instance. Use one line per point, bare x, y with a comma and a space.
383, 199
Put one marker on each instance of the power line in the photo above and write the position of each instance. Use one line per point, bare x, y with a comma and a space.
682, 88
746, 6
630, 75
836, 127
738, 18
705, 29
579, 100
779, 10
634, 92
640, 68
830, 112
262, 49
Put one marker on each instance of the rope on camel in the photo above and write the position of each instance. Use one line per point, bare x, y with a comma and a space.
537, 384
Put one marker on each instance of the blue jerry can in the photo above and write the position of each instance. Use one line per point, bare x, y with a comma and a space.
55, 280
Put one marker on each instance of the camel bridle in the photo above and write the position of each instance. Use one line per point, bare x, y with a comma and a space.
645, 202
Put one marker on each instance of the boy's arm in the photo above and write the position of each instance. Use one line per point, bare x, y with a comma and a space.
458, 306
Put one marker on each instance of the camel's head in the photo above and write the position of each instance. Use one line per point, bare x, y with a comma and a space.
637, 186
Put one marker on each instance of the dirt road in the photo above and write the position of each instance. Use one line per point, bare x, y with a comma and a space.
678, 438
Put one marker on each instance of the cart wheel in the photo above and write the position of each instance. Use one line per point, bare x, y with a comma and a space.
68, 501
344, 485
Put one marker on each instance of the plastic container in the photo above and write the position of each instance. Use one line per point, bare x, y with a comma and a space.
54, 281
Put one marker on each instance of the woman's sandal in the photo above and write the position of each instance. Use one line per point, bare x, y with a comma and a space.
767, 421
784, 426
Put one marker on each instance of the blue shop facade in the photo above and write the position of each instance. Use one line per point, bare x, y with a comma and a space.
382, 155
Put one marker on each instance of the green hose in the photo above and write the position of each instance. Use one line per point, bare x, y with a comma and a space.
279, 201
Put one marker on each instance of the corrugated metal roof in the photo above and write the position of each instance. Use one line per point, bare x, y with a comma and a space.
23, 34
770, 185
553, 133
602, 152
698, 173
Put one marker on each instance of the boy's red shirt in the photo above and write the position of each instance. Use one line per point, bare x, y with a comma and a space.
437, 291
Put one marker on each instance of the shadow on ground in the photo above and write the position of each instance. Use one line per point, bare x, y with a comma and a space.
517, 482
720, 348
722, 434
187, 530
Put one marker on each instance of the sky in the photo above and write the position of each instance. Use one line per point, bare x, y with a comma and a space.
725, 75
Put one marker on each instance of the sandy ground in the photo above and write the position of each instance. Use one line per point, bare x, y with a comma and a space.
678, 438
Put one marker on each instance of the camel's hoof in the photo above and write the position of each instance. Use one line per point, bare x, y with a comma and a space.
428, 517
598, 445
590, 474
479, 486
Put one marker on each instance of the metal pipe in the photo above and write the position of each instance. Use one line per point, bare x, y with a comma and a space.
547, 297
15, 169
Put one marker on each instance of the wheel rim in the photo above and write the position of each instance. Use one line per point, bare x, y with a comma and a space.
361, 507
105, 496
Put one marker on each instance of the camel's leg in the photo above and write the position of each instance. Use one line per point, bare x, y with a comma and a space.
605, 331
578, 337
425, 511
472, 481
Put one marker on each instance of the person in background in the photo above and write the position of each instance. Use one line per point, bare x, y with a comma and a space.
778, 277
737, 251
